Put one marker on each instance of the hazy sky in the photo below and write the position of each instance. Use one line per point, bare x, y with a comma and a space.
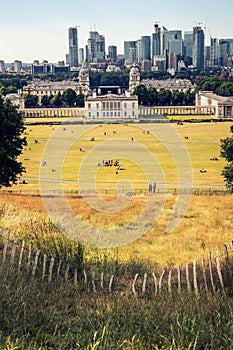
38, 29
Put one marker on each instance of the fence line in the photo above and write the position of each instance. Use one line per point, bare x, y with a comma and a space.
216, 277
127, 192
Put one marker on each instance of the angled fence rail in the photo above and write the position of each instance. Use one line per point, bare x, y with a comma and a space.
210, 274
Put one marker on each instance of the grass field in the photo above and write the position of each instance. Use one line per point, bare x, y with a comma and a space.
37, 314
207, 220
155, 142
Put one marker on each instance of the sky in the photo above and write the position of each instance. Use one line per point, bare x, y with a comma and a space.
32, 29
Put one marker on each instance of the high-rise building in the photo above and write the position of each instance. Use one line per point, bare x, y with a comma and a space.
214, 52
198, 47
188, 47
146, 47
81, 55
170, 40
2, 67
130, 51
95, 48
156, 41
72, 57
225, 52
17, 66
112, 53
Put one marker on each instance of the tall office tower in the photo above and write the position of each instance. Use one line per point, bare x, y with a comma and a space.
214, 52
2, 67
73, 47
207, 56
156, 41
17, 66
81, 55
225, 52
146, 47
130, 51
188, 48
95, 47
112, 53
172, 37
198, 47
138, 52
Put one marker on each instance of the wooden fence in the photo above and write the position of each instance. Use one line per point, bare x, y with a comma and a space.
210, 275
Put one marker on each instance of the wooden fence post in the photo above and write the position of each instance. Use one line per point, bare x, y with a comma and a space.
29, 258
35, 263
21, 255
169, 281
204, 273
160, 280
195, 276
51, 265
76, 276
219, 270
85, 278
110, 284
93, 281
5, 247
179, 278
102, 280
133, 284
155, 282
13, 253
211, 272
187, 278
144, 283
59, 268
44, 266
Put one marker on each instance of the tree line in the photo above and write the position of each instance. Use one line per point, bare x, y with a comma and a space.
218, 86
163, 97
68, 98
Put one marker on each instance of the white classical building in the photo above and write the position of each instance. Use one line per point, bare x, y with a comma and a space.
115, 106
43, 88
223, 106
111, 106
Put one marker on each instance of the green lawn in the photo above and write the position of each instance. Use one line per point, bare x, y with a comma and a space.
158, 152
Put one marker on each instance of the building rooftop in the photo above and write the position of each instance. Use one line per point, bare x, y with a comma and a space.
218, 98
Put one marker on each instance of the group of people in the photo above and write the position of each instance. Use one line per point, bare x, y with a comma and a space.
152, 188
110, 162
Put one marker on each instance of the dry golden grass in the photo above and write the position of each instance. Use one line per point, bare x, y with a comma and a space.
206, 226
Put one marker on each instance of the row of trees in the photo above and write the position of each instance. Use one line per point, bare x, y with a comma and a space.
69, 98
222, 88
163, 97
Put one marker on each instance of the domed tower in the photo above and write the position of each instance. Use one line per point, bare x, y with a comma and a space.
134, 77
83, 80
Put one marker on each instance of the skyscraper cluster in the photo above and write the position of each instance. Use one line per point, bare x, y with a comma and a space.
162, 50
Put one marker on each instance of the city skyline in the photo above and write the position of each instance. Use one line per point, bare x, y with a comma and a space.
39, 31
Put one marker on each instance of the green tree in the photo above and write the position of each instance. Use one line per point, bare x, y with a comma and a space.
56, 101
177, 98
45, 100
80, 100
142, 93
165, 97
227, 153
189, 98
152, 96
69, 97
30, 101
11, 142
